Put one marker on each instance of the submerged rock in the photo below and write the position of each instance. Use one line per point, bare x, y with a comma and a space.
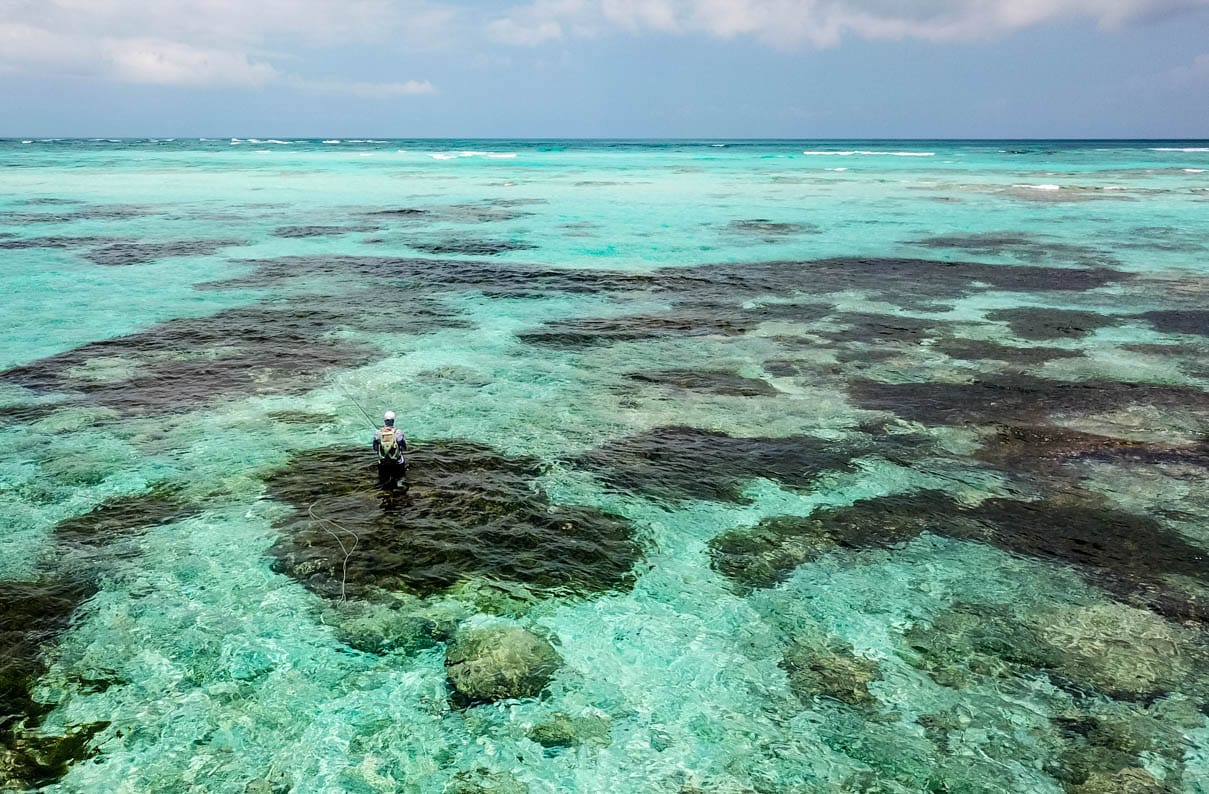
485, 781
1111, 648
1117, 649
493, 663
124, 253
1133, 780
463, 247
969, 640
590, 332
564, 730
834, 672
376, 628
1114, 738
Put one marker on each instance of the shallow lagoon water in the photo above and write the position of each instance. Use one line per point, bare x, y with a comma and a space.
907, 440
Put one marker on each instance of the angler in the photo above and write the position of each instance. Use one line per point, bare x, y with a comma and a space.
390, 443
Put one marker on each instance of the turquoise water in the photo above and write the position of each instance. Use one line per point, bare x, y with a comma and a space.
822, 466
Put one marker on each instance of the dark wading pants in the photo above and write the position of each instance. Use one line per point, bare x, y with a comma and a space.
391, 473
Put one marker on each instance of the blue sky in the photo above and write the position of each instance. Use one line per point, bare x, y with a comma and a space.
606, 68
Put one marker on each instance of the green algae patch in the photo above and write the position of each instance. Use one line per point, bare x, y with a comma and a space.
466, 511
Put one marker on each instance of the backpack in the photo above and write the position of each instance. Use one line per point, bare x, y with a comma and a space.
388, 443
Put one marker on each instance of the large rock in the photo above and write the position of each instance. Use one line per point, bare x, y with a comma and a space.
492, 663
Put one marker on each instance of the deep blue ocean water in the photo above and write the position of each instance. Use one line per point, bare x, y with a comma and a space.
822, 465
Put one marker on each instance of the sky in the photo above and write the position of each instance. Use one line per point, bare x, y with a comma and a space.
606, 68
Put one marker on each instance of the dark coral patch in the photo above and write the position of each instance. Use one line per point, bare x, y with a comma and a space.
1129, 554
26, 413
463, 247
578, 334
23, 243
690, 463
881, 328
1042, 448
979, 350
764, 555
1039, 324
1183, 321
181, 363
297, 232
467, 511
770, 231
795, 312
1019, 399
710, 290
1023, 247
121, 515
718, 382
130, 253
32, 615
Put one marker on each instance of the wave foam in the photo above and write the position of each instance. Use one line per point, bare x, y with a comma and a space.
333, 140
1194, 170
1040, 187
1176, 149
456, 155
868, 153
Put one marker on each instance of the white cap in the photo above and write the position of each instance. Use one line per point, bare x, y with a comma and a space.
389, 415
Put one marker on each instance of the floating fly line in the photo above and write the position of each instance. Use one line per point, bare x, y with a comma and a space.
348, 552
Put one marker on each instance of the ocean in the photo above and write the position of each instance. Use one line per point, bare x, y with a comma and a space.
734, 466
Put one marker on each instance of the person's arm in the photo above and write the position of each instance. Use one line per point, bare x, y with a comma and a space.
402, 440
377, 439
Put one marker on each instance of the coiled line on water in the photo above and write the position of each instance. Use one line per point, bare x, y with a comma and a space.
347, 552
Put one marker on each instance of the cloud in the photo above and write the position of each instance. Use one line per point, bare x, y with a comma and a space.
159, 62
210, 42
789, 23
366, 90
1195, 72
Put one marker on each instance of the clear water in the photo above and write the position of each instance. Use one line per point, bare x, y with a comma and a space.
190, 317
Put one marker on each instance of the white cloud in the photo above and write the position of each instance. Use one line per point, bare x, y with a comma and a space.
820, 22
367, 90
209, 42
171, 63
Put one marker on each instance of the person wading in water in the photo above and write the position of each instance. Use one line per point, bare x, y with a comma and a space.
390, 443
